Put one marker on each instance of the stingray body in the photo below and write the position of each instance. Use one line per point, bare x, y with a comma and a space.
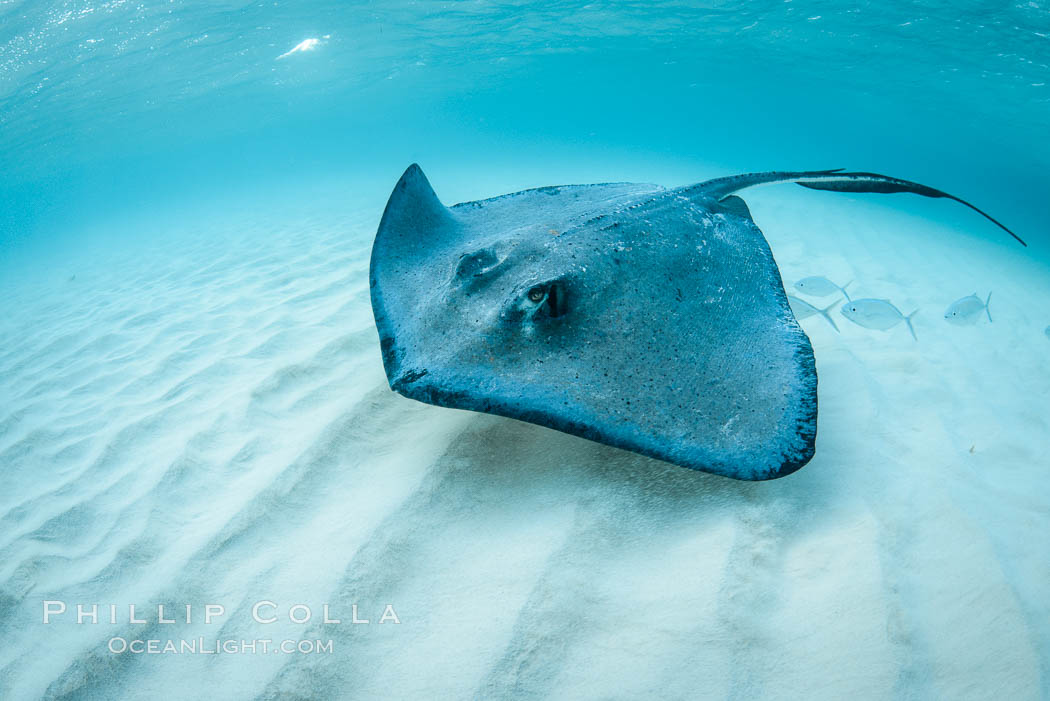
648, 319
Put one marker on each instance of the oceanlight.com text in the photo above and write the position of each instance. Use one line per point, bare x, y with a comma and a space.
200, 646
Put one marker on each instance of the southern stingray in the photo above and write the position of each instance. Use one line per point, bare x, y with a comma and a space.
649, 319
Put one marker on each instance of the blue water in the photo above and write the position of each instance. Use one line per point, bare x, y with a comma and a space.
193, 407
106, 106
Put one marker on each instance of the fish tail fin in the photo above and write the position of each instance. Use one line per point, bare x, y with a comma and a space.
843, 288
907, 320
824, 313
986, 309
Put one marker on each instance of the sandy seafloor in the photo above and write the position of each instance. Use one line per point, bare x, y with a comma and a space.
205, 419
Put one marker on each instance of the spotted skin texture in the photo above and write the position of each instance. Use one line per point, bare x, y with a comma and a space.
648, 319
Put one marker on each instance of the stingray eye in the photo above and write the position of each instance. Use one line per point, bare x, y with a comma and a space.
550, 299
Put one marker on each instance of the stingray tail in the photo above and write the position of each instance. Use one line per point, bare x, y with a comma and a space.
986, 309
907, 320
824, 313
838, 181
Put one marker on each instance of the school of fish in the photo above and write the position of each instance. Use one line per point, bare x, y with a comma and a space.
880, 314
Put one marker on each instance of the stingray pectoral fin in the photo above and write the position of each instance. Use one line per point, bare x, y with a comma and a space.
837, 181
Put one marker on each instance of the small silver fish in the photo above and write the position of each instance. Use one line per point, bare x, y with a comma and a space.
877, 314
804, 310
967, 310
820, 286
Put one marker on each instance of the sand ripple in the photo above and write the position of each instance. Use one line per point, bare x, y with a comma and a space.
208, 421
